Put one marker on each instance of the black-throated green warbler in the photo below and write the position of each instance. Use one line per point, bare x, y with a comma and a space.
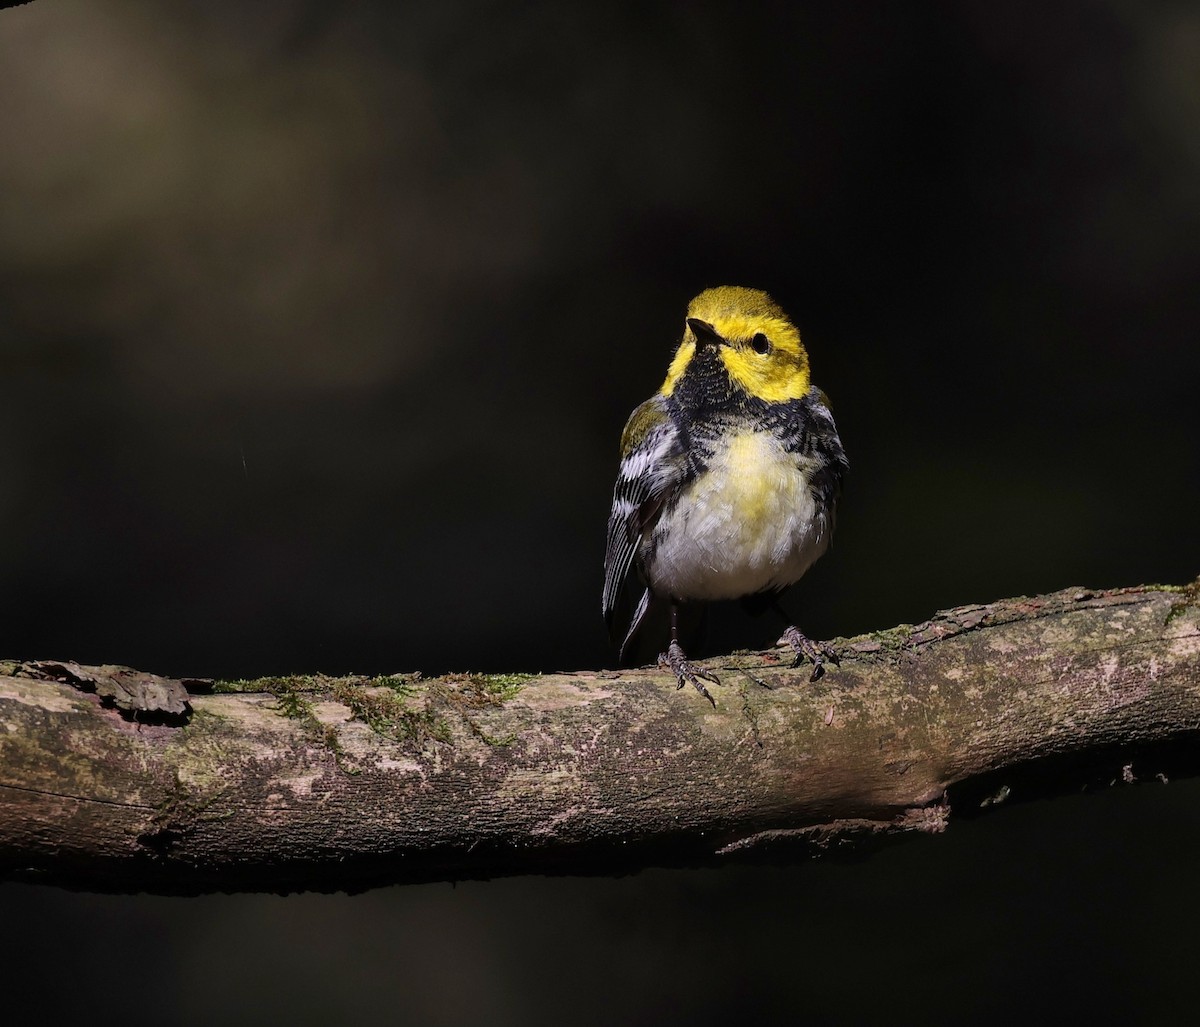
730, 474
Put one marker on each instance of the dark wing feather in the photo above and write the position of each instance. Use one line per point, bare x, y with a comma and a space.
653, 462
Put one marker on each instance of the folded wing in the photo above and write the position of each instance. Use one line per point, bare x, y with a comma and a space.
653, 466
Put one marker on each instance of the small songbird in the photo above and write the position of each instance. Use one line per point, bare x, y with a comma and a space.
730, 474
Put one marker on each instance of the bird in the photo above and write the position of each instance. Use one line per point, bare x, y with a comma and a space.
729, 476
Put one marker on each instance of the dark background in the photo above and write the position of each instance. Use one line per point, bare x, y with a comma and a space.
318, 326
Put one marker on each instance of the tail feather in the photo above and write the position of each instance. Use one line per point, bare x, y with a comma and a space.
638, 616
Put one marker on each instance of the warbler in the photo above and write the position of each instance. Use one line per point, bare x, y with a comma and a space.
730, 475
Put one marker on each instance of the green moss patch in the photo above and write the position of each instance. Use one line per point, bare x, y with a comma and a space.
387, 711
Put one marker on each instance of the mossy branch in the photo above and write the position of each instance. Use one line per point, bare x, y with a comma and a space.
341, 783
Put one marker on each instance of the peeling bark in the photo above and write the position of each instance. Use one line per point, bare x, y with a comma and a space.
315, 782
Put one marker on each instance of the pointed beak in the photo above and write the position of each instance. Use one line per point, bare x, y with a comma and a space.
705, 333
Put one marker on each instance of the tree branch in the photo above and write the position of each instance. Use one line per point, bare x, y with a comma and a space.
315, 782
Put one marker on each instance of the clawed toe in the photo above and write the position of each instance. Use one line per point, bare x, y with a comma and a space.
804, 647
685, 672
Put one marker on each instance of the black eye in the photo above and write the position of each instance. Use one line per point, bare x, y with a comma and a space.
761, 343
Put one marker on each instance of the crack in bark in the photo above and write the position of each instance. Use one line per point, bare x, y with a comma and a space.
74, 798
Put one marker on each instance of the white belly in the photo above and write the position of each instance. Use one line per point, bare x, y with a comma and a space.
748, 524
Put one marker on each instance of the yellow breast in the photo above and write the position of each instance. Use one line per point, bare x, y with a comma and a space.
748, 523
754, 481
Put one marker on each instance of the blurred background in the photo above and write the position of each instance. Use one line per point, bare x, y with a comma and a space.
319, 323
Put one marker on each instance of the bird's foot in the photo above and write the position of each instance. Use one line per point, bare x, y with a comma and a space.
684, 671
803, 646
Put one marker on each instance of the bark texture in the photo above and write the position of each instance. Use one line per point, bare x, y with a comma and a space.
315, 782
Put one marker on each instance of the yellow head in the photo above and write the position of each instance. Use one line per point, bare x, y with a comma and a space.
759, 347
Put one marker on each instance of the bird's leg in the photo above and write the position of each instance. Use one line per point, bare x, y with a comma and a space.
685, 671
803, 646
677, 661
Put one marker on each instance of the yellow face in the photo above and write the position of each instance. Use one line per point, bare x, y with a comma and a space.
759, 346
